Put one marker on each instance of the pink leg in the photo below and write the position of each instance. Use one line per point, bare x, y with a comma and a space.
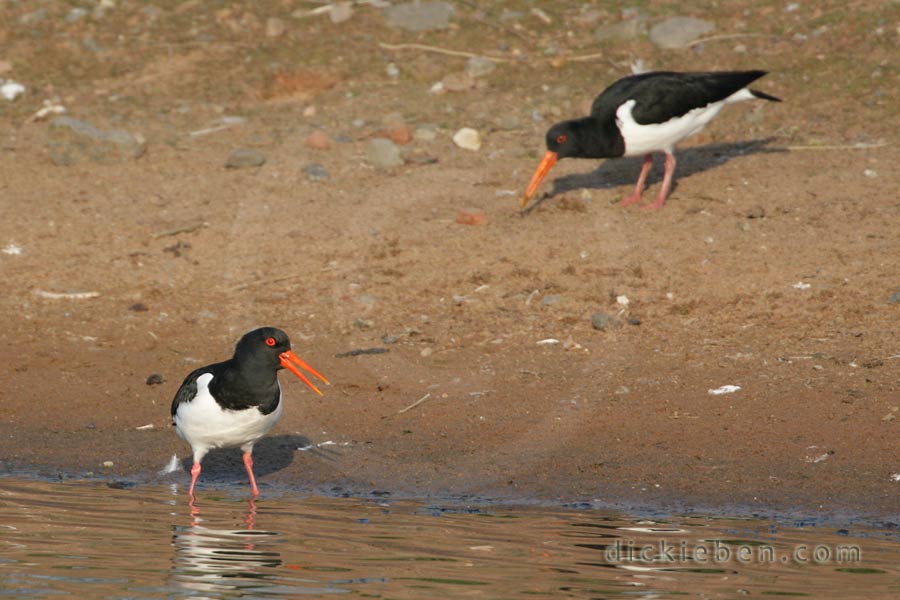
195, 473
642, 180
248, 462
666, 184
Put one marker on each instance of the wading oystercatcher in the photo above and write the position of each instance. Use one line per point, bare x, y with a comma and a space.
236, 402
642, 114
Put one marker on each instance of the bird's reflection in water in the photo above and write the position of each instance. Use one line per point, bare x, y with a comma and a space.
224, 560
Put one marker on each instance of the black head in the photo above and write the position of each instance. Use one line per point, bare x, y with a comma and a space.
263, 347
563, 139
270, 348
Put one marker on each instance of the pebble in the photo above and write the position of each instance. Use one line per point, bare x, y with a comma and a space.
316, 172
419, 16
894, 298
396, 129
678, 32
603, 321
426, 352
425, 133
756, 212
275, 27
383, 153
11, 90
155, 379
471, 216
318, 140
108, 463
460, 81
391, 70
478, 66
467, 139
622, 31
340, 12
72, 141
245, 157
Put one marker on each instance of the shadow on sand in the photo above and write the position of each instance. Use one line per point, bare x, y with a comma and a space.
270, 454
624, 171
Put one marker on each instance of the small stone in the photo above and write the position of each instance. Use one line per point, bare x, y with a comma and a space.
318, 140
471, 216
603, 321
622, 31
678, 32
894, 298
635, 321
275, 27
392, 71
316, 172
108, 464
756, 212
460, 81
426, 352
364, 323
425, 133
155, 379
138, 307
245, 157
309, 111
478, 66
387, 339
340, 12
622, 390
72, 141
396, 129
870, 173
383, 153
467, 139
419, 16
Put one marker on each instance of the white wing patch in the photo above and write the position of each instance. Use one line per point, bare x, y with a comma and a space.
206, 425
662, 137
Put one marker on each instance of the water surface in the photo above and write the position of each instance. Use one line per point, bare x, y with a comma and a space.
89, 540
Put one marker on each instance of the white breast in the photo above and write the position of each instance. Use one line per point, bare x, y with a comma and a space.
662, 137
205, 425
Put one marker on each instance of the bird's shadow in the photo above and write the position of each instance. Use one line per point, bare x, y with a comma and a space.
624, 171
270, 454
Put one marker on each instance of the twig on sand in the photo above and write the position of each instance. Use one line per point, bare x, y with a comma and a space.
729, 36
415, 404
66, 295
437, 50
177, 230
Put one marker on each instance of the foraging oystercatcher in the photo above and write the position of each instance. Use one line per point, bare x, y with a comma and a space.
642, 114
236, 402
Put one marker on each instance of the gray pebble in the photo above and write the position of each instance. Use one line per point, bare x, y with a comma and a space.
478, 66
316, 172
245, 157
603, 321
678, 32
389, 339
622, 31
73, 141
894, 298
383, 153
155, 379
419, 16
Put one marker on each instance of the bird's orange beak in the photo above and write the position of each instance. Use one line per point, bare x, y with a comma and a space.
546, 164
289, 359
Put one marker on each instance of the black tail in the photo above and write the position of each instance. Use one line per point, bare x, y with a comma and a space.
765, 96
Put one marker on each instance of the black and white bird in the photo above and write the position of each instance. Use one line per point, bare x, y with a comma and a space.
236, 402
642, 114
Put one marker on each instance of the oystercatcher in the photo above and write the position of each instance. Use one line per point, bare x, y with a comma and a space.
236, 402
642, 114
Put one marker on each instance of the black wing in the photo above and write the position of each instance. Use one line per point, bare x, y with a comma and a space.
662, 95
188, 389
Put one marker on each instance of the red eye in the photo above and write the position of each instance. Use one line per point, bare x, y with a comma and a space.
561, 139
270, 341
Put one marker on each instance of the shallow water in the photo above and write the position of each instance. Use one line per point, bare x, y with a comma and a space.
89, 540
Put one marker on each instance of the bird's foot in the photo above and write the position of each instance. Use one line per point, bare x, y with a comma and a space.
658, 204
630, 199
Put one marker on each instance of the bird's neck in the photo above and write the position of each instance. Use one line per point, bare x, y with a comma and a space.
598, 138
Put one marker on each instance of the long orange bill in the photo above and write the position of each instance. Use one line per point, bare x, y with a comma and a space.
546, 164
289, 359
